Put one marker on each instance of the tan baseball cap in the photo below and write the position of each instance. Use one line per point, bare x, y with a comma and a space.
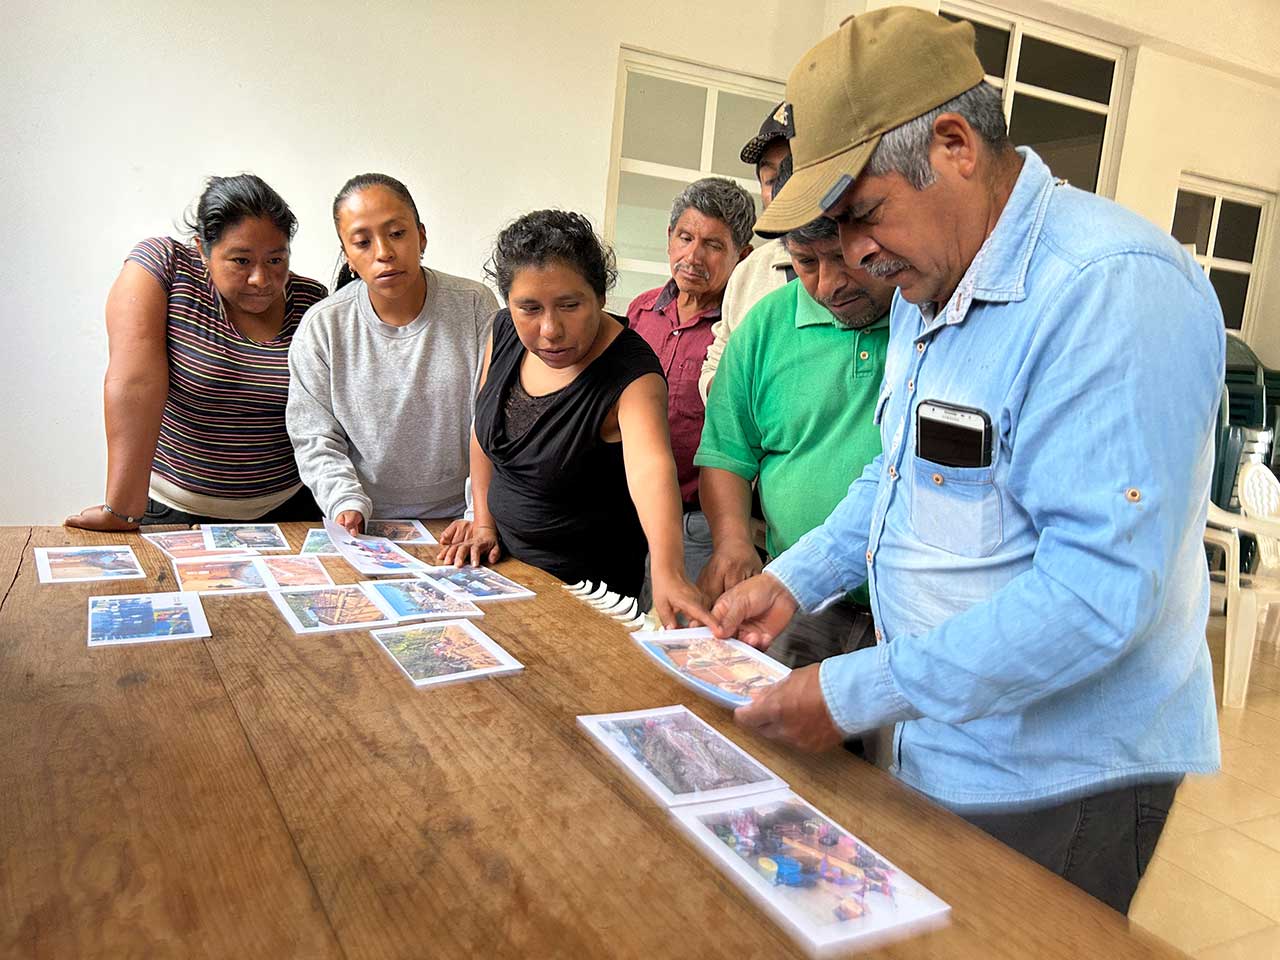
876, 72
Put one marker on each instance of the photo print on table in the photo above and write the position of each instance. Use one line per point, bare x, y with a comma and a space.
401, 531
83, 564
678, 757
372, 555
328, 609
254, 536
728, 672
145, 617
817, 879
478, 583
446, 652
318, 544
220, 575
421, 599
179, 544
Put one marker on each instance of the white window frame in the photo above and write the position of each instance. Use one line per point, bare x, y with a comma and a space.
713, 80
1221, 190
1018, 27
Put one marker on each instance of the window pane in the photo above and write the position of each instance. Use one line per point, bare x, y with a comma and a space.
629, 286
1067, 139
1192, 216
1232, 289
1067, 71
1237, 231
644, 206
663, 121
992, 44
738, 119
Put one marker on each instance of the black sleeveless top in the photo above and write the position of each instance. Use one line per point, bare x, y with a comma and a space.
559, 493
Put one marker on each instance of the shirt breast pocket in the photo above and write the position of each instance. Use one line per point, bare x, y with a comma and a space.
957, 509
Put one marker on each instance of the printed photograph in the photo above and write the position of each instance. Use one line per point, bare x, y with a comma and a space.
77, 564
255, 536
297, 571
730, 671
684, 754
145, 617
820, 877
215, 574
179, 543
445, 651
413, 599
319, 544
372, 554
478, 583
332, 608
400, 531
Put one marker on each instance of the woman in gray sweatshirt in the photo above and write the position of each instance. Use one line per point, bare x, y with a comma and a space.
384, 373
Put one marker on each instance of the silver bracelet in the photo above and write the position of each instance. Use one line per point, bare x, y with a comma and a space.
122, 516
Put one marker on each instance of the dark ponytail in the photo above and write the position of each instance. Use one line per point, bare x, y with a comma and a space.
226, 201
357, 183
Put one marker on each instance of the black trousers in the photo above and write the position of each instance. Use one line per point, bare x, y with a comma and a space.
301, 506
1101, 843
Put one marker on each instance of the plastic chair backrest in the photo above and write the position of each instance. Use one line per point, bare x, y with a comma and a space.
1260, 497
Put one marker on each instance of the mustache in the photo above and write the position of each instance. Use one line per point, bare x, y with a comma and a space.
692, 268
883, 268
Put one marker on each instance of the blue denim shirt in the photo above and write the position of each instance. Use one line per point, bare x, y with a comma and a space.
1042, 619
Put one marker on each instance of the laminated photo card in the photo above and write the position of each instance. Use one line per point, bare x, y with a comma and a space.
446, 652
249, 574
253, 536
728, 672
421, 599
478, 583
401, 531
318, 544
327, 609
372, 555
828, 889
678, 757
178, 544
145, 617
82, 564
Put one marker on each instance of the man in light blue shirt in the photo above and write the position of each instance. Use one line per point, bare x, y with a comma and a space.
1038, 581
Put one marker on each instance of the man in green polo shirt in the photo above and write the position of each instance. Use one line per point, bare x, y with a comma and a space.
793, 407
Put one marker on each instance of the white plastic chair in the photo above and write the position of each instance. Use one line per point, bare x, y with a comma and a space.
1244, 593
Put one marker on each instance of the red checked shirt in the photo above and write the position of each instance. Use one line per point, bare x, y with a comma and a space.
681, 349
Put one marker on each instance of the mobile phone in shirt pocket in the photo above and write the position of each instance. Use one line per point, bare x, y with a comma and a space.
956, 509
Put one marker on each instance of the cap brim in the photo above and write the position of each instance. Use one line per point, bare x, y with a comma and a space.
813, 189
754, 148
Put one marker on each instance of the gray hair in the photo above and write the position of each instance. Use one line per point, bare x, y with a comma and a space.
814, 231
722, 199
905, 148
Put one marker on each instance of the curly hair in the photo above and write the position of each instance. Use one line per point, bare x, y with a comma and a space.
228, 200
544, 236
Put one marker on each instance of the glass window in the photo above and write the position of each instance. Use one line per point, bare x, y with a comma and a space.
1237, 231
1233, 290
644, 206
1059, 68
738, 119
1068, 139
992, 44
631, 283
1192, 218
664, 120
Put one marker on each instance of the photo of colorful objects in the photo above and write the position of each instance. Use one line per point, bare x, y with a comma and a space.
71, 564
204, 575
297, 571
437, 651
132, 619
328, 609
255, 536
684, 754
727, 671
413, 599
399, 531
319, 544
478, 583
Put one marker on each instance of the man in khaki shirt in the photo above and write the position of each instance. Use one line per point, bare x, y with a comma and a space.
768, 267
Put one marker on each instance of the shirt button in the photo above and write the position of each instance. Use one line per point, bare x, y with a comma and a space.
864, 355
911, 386
675, 333
920, 347
879, 635
869, 556
937, 478
1133, 494
893, 472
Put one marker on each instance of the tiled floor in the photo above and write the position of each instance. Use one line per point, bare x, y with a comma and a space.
1213, 888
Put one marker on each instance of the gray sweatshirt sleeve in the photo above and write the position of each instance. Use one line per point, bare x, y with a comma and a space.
319, 442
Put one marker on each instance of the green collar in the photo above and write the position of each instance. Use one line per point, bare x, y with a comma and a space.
810, 313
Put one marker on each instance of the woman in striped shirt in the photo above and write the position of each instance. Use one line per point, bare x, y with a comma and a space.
198, 373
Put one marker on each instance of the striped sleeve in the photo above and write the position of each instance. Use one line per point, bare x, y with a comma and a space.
156, 256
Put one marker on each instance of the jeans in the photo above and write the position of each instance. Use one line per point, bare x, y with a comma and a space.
301, 506
1101, 843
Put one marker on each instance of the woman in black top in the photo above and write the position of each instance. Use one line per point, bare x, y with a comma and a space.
571, 466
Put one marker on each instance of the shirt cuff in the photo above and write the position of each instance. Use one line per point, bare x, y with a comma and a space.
805, 571
719, 461
860, 692
360, 504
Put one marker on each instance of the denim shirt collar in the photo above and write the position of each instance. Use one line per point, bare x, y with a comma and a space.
998, 272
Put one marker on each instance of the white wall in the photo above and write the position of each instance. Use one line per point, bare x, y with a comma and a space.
113, 113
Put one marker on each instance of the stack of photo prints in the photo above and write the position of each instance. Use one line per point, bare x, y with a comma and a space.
831, 891
419, 614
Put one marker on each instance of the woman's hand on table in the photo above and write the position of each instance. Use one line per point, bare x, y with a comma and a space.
674, 596
466, 542
96, 518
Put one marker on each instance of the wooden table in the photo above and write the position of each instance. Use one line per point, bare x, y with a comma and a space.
266, 795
